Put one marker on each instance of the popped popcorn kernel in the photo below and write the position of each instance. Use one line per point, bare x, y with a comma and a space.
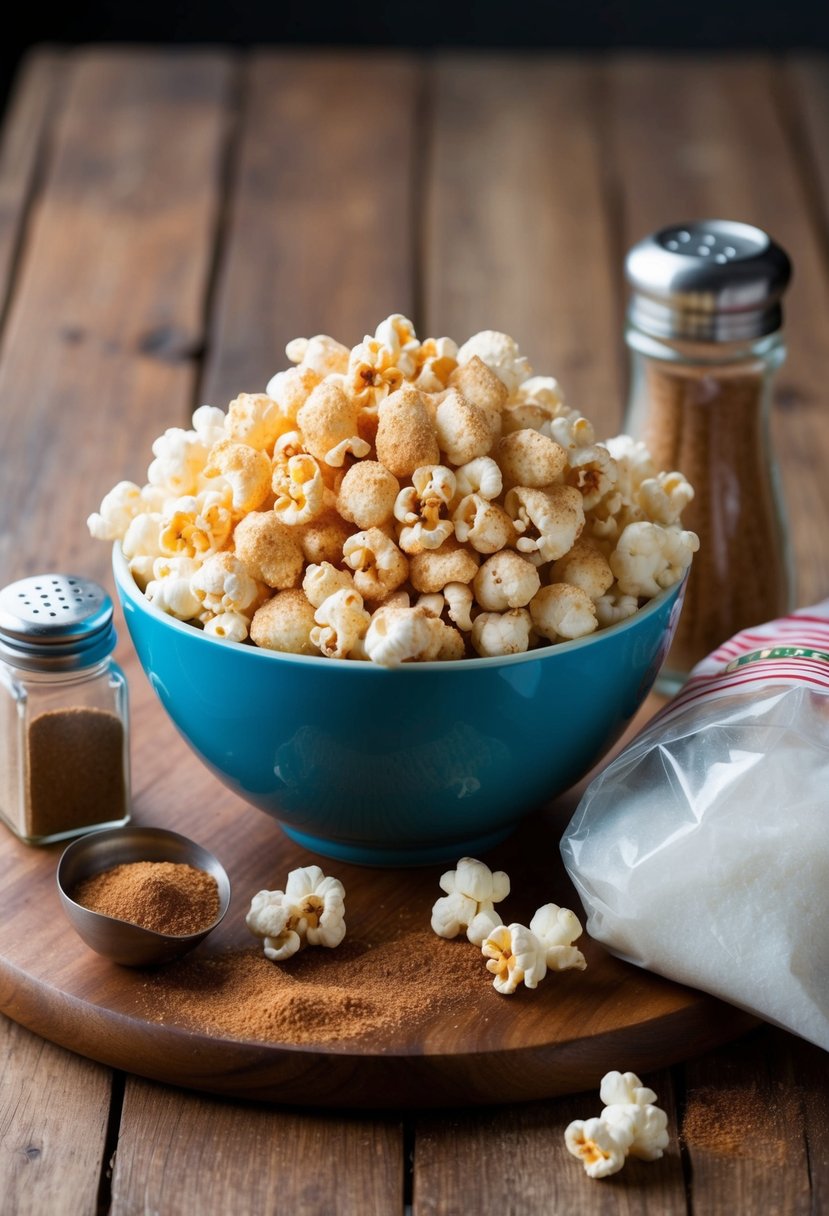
284, 623
630, 1124
309, 912
472, 890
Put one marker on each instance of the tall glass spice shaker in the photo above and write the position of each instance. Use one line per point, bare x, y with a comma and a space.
704, 336
64, 726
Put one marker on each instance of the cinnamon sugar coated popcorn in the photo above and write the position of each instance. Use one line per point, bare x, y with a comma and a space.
402, 501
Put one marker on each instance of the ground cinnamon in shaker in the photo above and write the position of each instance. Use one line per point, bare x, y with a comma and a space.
707, 423
165, 896
75, 771
704, 331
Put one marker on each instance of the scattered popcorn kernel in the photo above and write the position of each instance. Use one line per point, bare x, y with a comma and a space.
600, 1147
630, 1123
556, 929
284, 622
472, 890
310, 911
514, 956
269, 549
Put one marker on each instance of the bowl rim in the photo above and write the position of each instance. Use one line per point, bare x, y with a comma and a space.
127, 585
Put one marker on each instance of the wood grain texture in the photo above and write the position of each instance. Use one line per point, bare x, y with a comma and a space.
54, 1109
27, 122
318, 236
515, 1162
744, 1131
807, 80
517, 233
179, 1153
722, 147
98, 345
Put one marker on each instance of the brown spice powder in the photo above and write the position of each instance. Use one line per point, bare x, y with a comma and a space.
166, 896
736, 1123
319, 995
76, 771
708, 424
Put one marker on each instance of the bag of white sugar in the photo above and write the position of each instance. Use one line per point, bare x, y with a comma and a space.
702, 850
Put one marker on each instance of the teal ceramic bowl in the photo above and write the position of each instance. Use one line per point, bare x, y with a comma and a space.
424, 763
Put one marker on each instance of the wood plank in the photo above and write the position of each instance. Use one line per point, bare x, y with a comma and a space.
722, 148
810, 1083
179, 1153
54, 1109
528, 1168
319, 232
97, 352
517, 236
807, 95
744, 1131
36, 90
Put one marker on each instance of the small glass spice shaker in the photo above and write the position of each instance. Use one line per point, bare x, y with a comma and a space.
64, 718
704, 336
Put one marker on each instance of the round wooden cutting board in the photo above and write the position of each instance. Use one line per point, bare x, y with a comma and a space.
560, 1038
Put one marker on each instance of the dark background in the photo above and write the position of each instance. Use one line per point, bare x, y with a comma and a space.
749, 25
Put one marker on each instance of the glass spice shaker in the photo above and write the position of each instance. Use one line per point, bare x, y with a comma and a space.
704, 337
64, 724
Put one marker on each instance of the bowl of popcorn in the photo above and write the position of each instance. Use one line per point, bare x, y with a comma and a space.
402, 597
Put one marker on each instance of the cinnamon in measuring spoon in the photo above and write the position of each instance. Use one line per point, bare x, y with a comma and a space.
166, 896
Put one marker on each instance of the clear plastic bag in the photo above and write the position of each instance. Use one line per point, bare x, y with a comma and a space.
702, 851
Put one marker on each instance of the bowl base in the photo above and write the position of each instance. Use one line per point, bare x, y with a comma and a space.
416, 855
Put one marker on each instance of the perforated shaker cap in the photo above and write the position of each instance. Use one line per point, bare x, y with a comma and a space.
707, 281
55, 622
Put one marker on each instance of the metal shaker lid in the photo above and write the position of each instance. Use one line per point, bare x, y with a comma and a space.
707, 281
55, 622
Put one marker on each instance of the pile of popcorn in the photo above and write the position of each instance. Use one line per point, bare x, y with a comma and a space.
403, 500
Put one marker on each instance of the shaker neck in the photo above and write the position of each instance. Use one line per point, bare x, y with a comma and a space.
769, 349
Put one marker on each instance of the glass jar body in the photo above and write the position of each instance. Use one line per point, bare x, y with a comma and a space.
703, 409
64, 751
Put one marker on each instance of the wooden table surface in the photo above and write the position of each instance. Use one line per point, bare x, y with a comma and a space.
168, 220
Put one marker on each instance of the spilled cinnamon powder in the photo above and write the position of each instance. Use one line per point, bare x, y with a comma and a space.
322, 996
